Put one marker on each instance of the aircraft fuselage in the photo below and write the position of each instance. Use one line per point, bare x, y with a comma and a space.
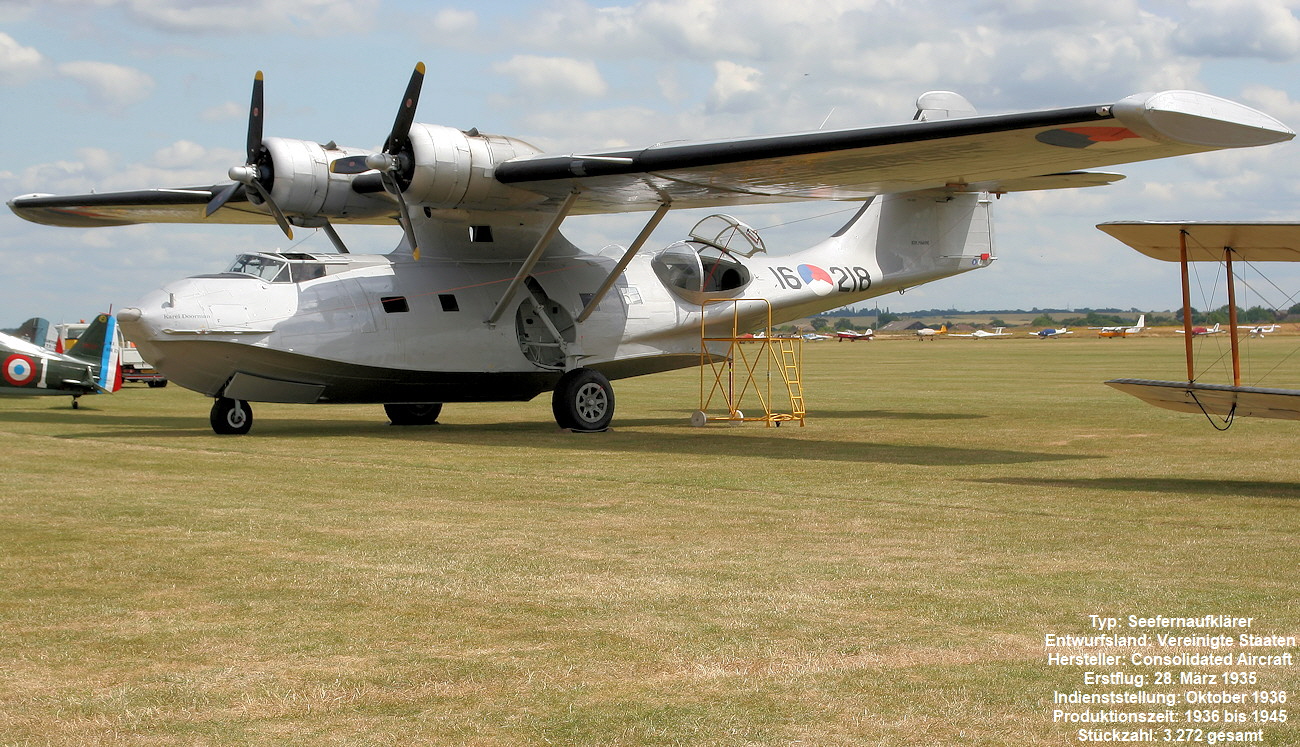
390, 329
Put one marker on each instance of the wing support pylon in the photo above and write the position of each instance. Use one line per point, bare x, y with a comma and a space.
531, 261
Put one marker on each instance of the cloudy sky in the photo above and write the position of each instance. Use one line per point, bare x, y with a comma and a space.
122, 94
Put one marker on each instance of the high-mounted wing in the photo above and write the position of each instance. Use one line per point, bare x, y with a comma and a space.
996, 153
439, 168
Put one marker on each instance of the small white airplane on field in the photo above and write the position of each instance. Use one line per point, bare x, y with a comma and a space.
984, 334
928, 333
484, 299
1050, 332
1122, 331
854, 336
1200, 331
1260, 330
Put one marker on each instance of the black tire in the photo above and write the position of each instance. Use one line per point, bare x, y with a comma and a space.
425, 413
230, 417
583, 401
157, 383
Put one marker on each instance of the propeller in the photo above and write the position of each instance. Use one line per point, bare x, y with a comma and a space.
395, 163
257, 169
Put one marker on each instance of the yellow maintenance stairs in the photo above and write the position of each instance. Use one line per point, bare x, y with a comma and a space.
740, 378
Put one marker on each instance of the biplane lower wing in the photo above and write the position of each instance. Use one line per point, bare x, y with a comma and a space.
1214, 399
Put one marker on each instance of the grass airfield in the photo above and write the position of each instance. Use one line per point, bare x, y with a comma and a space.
884, 575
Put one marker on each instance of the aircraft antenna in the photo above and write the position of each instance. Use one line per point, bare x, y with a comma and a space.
828, 118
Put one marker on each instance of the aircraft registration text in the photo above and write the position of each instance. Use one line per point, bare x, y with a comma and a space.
841, 279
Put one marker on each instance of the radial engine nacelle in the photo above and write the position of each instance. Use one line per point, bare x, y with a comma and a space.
455, 169
302, 184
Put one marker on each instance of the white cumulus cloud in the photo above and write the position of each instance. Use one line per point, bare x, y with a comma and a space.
551, 76
17, 62
115, 87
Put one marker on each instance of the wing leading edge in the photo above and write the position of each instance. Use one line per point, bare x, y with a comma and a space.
1006, 152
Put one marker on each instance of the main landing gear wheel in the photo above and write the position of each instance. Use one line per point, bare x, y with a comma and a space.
425, 413
231, 417
583, 400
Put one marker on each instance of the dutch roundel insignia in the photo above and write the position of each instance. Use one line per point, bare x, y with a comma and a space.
19, 370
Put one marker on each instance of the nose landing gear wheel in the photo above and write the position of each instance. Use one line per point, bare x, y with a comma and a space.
230, 417
583, 401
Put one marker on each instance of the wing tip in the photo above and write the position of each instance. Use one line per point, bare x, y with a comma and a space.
1199, 119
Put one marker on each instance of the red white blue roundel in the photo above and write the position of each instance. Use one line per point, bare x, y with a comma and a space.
19, 370
817, 279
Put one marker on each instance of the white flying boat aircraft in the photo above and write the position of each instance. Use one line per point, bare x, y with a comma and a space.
485, 300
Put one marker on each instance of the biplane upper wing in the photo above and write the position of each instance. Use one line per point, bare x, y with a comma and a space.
997, 153
1206, 240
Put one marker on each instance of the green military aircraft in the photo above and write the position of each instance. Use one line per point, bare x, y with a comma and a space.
91, 366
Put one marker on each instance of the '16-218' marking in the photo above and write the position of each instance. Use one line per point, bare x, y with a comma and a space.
845, 279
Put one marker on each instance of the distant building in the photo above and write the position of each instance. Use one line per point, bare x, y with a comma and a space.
901, 325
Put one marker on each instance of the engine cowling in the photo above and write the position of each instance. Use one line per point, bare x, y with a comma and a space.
304, 188
455, 169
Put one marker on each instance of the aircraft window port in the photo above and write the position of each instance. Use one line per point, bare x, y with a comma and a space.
697, 267
394, 304
448, 302
303, 271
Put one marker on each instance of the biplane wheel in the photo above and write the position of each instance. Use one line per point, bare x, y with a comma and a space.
424, 413
583, 400
230, 417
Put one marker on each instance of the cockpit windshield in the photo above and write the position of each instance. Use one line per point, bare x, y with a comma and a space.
270, 269
288, 268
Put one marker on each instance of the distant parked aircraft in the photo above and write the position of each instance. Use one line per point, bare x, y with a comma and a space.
981, 334
1122, 331
1260, 330
1049, 333
1198, 331
850, 335
925, 333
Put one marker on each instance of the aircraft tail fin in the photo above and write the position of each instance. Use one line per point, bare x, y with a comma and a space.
36, 331
1142, 322
98, 346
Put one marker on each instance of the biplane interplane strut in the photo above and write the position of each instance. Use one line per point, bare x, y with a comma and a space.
1226, 243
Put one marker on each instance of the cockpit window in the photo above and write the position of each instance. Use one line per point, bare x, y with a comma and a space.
267, 268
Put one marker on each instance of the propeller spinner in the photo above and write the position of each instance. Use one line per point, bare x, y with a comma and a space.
257, 169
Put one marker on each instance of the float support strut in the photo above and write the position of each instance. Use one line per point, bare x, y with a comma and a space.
533, 256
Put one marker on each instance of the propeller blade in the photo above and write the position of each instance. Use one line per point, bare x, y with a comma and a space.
390, 181
280, 220
406, 113
221, 198
255, 120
